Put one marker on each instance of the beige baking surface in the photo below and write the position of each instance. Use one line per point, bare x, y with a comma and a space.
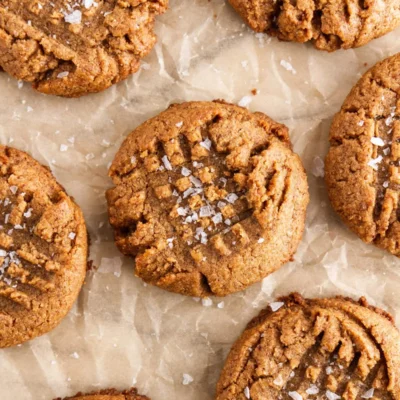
121, 332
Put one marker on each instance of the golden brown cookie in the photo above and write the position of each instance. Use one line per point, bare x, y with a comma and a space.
208, 197
74, 48
322, 349
328, 25
109, 394
43, 249
362, 166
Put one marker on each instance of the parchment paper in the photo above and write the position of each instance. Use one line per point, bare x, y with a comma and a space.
122, 332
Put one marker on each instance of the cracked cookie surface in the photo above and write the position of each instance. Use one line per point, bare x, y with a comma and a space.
43, 249
209, 198
328, 25
363, 164
72, 48
108, 394
317, 349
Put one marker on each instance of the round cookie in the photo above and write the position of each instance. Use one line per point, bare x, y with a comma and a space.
208, 197
362, 166
328, 25
75, 48
299, 349
43, 249
108, 394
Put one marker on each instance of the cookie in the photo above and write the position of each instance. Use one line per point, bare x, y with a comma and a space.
43, 249
71, 49
314, 349
362, 166
328, 25
109, 394
209, 198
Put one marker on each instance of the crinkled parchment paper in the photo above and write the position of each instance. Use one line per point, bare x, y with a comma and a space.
122, 332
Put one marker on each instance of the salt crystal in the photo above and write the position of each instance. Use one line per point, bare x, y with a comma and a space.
207, 302
206, 143
386, 151
179, 124
373, 163
369, 394
196, 182
232, 197
63, 147
133, 160
75, 355
245, 101
246, 392
3, 253
182, 211
221, 304
275, 306
186, 379
313, 389
261, 240
295, 396
332, 396
377, 141
74, 18
329, 370
185, 171
360, 123
217, 218
72, 235
13, 189
63, 74
228, 222
167, 164
385, 184
205, 211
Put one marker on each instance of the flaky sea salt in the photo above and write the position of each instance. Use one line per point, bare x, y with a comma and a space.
63, 74
207, 302
313, 389
261, 240
13, 189
275, 306
166, 163
3, 253
231, 197
368, 394
295, 396
72, 235
221, 304
246, 392
185, 171
377, 141
332, 396
245, 101
374, 162
329, 370
179, 124
360, 123
206, 143
187, 379
74, 18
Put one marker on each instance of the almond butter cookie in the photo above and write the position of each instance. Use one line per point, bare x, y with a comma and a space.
71, 49
322, 349
209, 198
109, 394
362, 166
43, 249
328, 25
